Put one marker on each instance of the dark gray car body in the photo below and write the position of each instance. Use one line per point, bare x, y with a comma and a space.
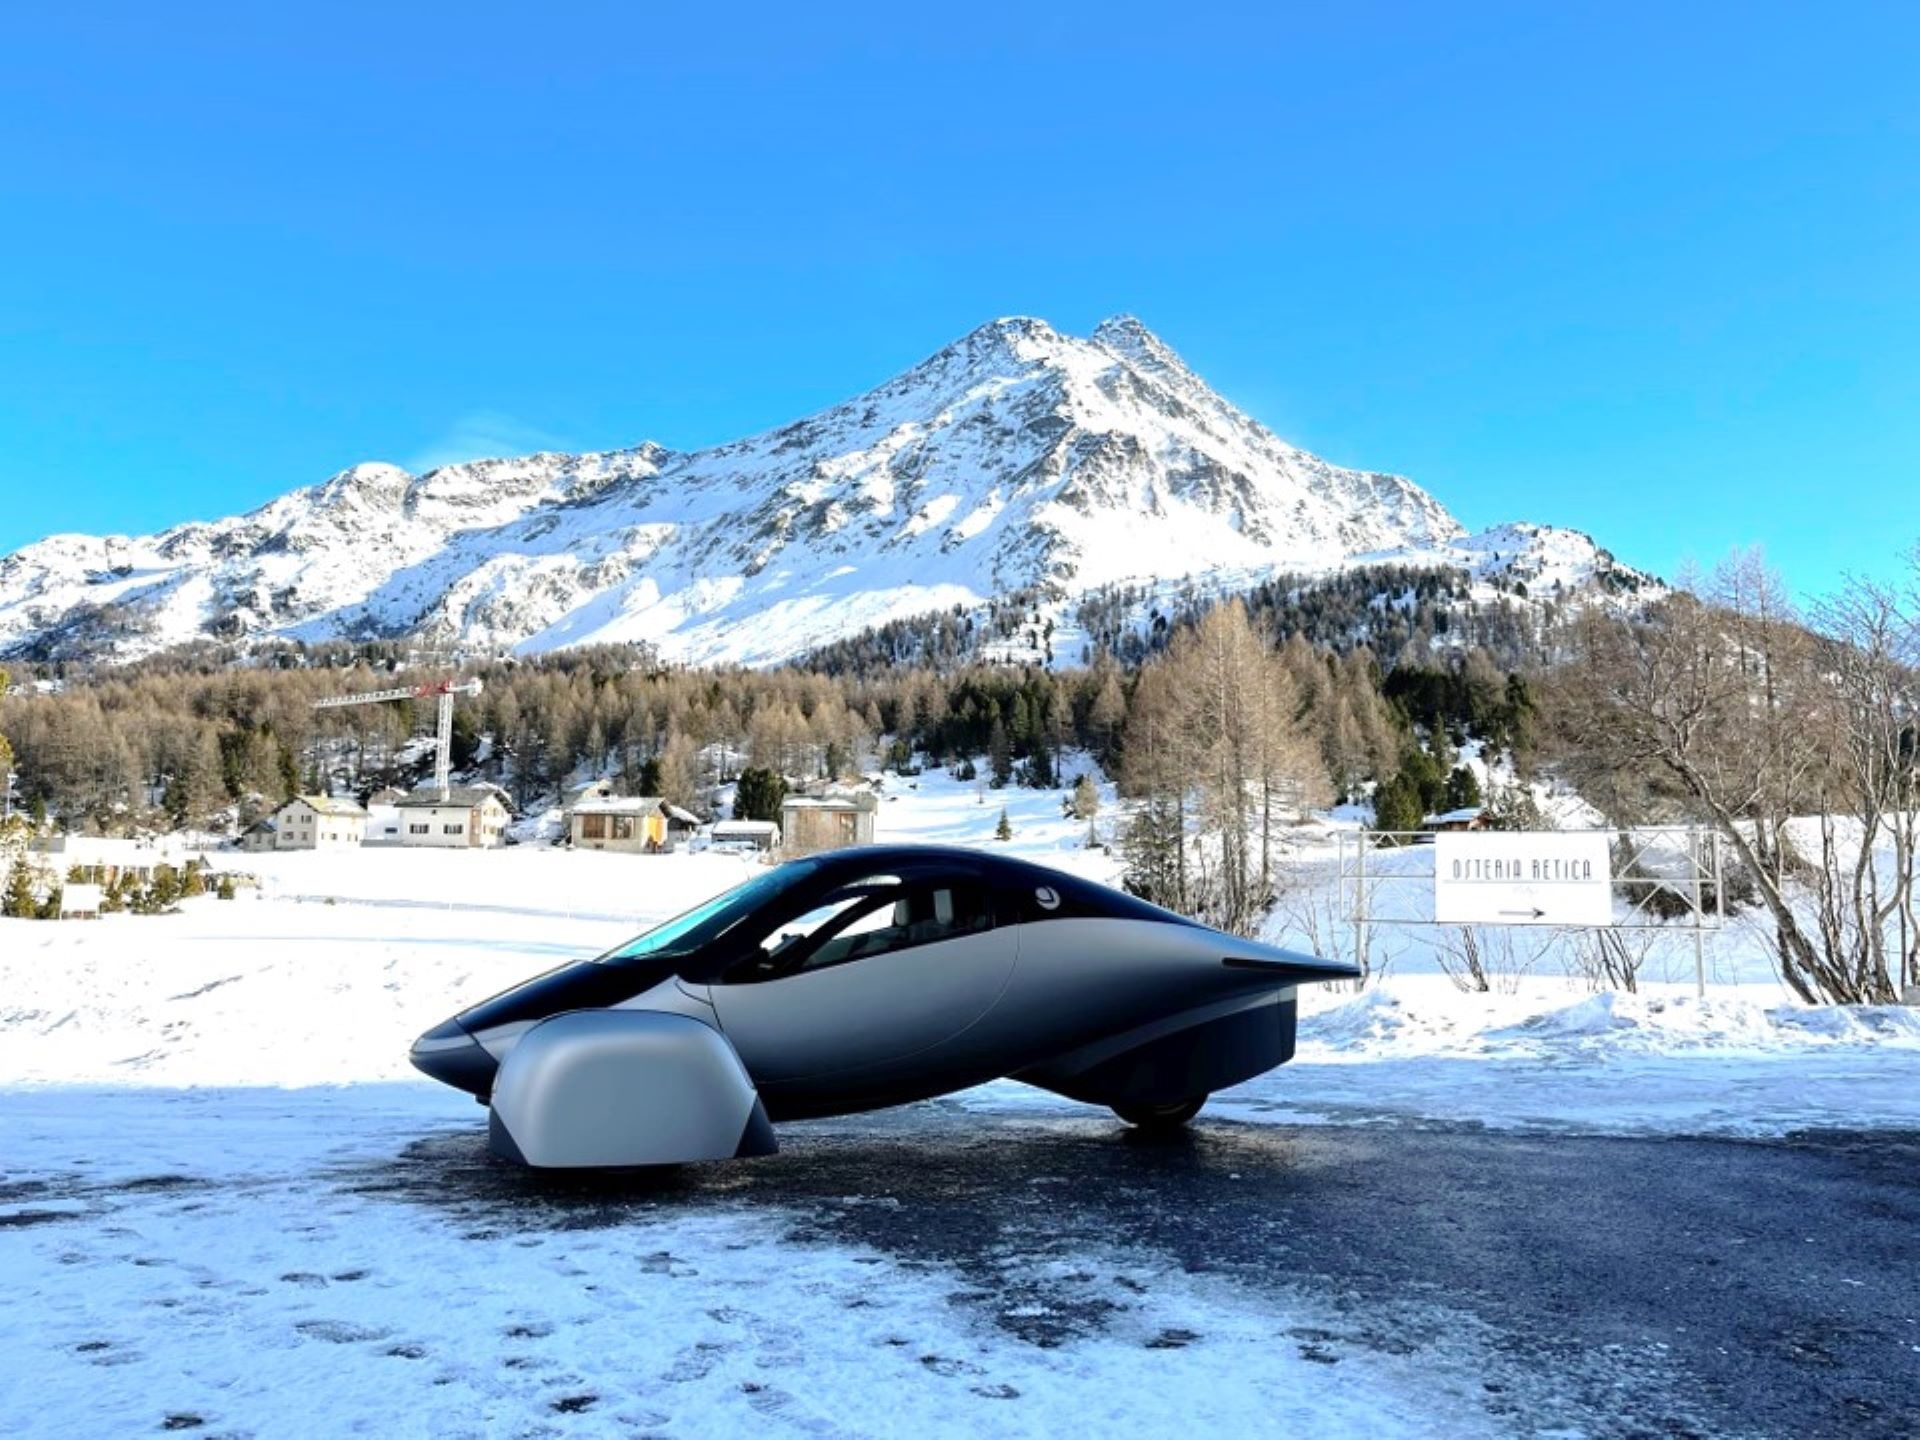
933, 970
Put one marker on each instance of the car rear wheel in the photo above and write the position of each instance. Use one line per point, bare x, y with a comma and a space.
1160, 1119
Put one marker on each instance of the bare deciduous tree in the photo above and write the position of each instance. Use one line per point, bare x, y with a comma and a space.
1482, 959
1796, 747
1218, 734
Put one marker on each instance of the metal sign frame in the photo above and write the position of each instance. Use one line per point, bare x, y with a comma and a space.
1706, 874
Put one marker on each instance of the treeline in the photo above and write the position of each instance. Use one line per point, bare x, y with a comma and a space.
945, 639
1405, 614
1396, 611
183, 740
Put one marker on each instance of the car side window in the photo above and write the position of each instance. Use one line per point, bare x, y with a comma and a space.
919, 915
787, 939
782, 948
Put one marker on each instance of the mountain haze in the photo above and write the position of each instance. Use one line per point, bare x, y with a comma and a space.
1016, 458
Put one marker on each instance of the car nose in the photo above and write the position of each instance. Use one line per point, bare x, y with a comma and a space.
449, 1054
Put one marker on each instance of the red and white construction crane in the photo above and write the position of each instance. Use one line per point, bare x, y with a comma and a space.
443, 690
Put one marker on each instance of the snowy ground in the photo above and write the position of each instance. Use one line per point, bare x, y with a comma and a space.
202, 1115
231, 1255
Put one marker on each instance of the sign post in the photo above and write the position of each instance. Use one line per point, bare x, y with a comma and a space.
1560, 879
1522, 877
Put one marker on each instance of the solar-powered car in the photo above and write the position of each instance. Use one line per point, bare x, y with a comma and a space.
863, 978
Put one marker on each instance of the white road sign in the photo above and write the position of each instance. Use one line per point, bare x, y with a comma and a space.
1522, 877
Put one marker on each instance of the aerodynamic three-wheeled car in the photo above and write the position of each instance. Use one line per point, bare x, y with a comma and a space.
864, 978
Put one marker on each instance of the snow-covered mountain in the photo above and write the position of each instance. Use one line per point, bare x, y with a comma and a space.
1015, 458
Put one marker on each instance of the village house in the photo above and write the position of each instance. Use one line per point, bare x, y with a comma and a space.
258, 836
634, 824
309, 822
384, 826
810, 823
1472, 817
104, 859
469, 817
761, 835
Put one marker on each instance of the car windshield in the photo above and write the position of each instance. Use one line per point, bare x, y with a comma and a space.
706, 923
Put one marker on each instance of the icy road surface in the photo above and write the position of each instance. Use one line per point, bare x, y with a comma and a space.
315, 1262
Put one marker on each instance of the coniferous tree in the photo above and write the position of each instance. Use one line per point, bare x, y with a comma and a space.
174, 800
999, 756
19, 903
649, 775
1004, 830
1155, 780
1397, 805
1038, 772
1426, 780
1463, 789
1108, 712
1512, 807
464, 747
758, 794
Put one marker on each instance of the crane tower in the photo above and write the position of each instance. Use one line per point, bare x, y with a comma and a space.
443, 691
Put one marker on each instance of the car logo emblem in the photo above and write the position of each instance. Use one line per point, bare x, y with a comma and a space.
1048, 897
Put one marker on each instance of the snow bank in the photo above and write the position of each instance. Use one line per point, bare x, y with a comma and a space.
1418, 1015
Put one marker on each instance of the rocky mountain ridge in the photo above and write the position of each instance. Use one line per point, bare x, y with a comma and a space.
1015, 459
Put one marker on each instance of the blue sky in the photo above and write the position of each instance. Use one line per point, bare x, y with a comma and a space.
1651, 271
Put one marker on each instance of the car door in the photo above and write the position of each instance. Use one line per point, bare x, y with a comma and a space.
881, 969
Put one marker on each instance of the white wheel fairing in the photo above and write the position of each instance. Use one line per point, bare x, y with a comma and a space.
624, 1087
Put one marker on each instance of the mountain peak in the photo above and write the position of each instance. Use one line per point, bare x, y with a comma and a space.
371, 481
1021, 325
1125, 336
1015, 459
1023, 337
1124, 331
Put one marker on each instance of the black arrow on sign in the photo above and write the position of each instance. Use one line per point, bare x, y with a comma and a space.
1536, 913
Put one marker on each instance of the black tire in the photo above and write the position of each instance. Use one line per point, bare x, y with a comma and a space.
1160, 1119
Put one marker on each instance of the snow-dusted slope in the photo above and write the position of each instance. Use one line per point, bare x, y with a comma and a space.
1016, 457
304, 556
1546, 560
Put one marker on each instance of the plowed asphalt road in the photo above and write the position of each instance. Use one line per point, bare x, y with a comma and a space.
1605, 1286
